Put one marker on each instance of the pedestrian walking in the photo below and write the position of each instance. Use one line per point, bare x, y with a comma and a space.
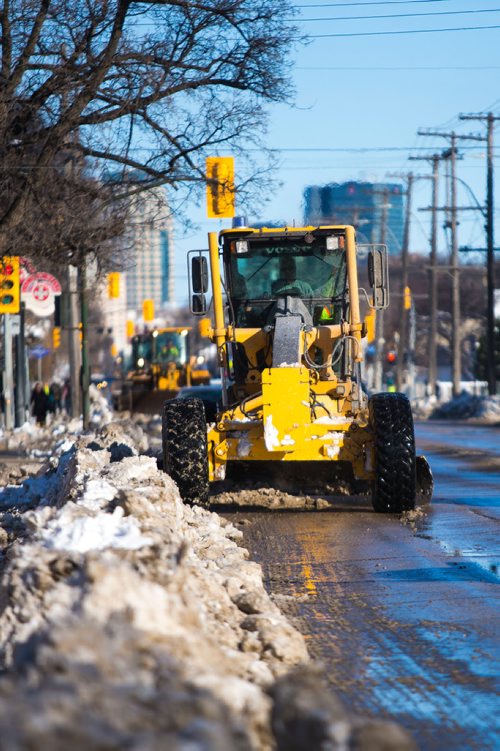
39, 403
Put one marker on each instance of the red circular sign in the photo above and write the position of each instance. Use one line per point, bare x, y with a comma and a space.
41, 281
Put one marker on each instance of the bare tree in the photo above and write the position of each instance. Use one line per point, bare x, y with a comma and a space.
142, 88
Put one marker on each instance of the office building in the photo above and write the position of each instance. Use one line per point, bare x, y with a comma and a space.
149, 263
374, 209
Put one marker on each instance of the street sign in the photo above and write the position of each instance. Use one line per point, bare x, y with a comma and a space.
38, 352
15, 325
38, 292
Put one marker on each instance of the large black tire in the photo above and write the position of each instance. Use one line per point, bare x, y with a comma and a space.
394, 487
184, 440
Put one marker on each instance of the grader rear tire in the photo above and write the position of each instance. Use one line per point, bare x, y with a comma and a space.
394, 487
184, 441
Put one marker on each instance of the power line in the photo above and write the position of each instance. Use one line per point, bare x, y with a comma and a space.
401, 67
387, 2
359, 149
395, 15
406, 31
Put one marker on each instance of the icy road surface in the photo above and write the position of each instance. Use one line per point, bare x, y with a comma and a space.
404, 613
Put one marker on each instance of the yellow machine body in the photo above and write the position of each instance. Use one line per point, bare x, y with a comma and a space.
290, 411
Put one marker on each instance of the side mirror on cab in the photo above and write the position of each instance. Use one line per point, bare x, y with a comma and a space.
378, 276
199, 274
198, 304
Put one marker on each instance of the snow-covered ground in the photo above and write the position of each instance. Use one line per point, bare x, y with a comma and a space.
130, 620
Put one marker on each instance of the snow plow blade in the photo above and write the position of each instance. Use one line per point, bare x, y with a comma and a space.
425, 480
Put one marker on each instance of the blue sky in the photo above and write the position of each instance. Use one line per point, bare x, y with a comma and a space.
375, 92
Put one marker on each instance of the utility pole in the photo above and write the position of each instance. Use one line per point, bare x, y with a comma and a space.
403, 322
433, 278
451, 154
490, 119
403, 338
455, 275
379, 320
74, 350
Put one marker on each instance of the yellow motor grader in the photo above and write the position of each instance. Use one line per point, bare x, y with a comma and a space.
288, 330
160, 366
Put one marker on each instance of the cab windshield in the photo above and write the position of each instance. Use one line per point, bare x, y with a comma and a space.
274, 268
164, 348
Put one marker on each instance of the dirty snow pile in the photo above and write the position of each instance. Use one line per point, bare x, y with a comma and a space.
59, 431
129, 620
466, 406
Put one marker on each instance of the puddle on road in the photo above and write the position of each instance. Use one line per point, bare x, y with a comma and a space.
453, 572
469, 537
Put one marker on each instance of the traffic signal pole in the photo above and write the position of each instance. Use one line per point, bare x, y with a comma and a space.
85, 375
74, 341
8, 381
21, 371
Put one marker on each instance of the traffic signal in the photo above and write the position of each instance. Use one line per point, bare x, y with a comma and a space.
114, 284
9, 284
220, 186
370, 325
391, 357
407, 298
56, 337
148, 310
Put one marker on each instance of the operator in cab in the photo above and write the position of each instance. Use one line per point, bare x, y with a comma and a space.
288, 284
170, 352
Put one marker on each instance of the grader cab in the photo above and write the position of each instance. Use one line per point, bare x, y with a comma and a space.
289, 338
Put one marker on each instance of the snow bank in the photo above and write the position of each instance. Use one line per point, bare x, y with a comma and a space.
108, 564
39, 440
466, 406
129, 620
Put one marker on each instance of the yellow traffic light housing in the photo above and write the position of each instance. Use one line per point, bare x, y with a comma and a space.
9, 284
370, 319
114, 284
56, 337
407, 298
130, 329
148, 310
220, 187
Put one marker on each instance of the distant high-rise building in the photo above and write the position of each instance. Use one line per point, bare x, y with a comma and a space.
361, 204
150, 259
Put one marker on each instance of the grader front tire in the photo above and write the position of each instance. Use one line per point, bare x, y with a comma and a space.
394, 487
184, 441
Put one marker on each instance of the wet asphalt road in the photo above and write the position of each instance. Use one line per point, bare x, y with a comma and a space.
403, 615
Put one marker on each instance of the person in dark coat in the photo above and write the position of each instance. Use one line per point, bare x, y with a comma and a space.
39, 403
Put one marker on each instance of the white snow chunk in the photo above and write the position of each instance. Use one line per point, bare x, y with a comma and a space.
85, 533
270, 434
332, 451
335, 420
96, 492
